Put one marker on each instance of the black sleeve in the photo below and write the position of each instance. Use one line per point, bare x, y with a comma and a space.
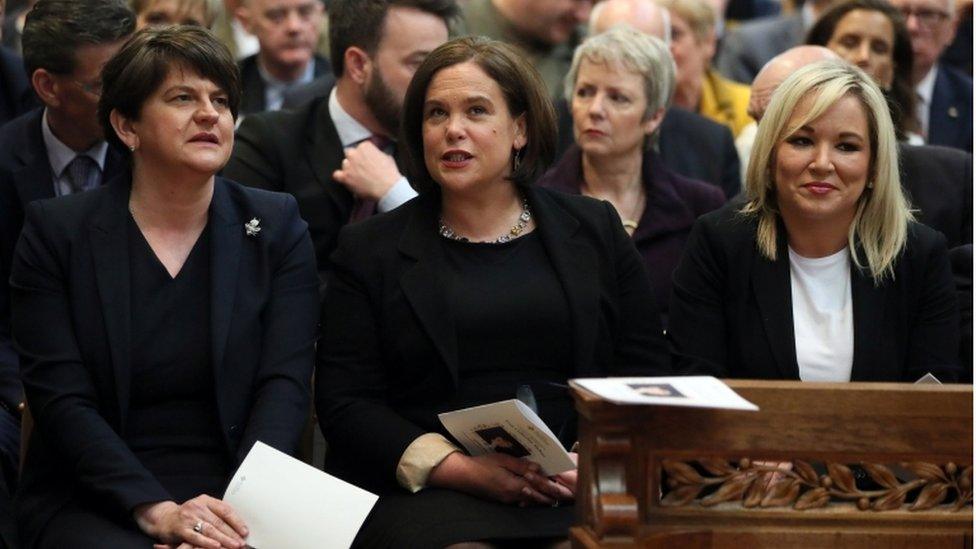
696, 328
352, 383
289, 321
934, 343
60, 390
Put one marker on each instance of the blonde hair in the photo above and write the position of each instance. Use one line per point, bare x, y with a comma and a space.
699, 14
881, 220
211, 8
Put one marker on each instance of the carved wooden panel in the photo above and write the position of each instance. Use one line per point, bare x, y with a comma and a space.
797, 484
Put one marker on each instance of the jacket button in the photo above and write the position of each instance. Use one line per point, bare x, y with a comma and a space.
233, 428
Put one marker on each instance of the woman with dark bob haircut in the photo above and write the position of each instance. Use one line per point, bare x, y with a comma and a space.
165, 321
481, 289
872, 35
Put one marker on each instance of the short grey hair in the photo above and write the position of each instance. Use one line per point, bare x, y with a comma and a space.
646, 55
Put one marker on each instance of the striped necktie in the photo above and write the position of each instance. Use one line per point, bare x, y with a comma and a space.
83, 173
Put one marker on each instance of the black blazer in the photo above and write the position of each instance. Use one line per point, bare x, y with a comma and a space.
951, 111
296, 152
25, 176
388, 353
253, 87
732, 315
70, 288
939, 184
690, 145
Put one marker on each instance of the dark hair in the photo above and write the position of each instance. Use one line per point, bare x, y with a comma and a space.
143, 63
901, 96
54, 29
360, 23
524, 91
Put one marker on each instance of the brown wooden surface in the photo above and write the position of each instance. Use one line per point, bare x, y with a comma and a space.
622, 447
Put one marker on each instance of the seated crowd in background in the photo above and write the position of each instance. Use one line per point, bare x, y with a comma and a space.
184, 212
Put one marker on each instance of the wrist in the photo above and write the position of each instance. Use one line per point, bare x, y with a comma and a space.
149, 515
446, 473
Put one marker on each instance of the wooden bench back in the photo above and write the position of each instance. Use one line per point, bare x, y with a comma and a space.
880, 465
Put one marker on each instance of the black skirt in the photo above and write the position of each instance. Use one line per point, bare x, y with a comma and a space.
437, 517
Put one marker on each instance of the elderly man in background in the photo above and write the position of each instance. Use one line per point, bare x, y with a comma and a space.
547, 30
690, 145
938, 180
945, 106
287, 31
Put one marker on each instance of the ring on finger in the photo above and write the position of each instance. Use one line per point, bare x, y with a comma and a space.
198, 527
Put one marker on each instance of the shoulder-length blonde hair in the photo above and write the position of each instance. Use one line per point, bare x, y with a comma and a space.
880, 223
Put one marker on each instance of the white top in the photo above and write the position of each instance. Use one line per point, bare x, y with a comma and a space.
352, 132
823, 318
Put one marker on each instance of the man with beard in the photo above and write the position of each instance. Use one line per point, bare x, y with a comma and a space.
336, 153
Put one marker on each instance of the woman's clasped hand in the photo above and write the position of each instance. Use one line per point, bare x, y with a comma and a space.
503, 478
203, 521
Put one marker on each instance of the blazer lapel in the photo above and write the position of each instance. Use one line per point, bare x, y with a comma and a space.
424, 284
868, 304
33, 179
324, 153
110, 252
575, 266
773, 293
226, 234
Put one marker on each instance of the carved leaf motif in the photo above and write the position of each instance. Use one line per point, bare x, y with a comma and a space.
966, 478
680, 496
892, 500
818, 497
717, 467
881, 474
782, 493
842, 477
805, 471
930, 496
927, 471
682, 472
731, 489
754, 495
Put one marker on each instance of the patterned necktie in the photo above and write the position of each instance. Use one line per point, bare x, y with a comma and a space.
83, 173
362, 207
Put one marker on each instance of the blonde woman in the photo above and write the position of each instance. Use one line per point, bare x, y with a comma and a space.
822, 275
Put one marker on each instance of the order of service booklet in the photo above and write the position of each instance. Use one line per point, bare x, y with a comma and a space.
690, 391
289, 504
508, 427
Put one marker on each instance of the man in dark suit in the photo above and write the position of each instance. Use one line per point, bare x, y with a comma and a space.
335, 153
945, 106
287, 31
57, 149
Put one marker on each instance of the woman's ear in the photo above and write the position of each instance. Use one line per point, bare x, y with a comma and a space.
124, 130
521, 139
653, 121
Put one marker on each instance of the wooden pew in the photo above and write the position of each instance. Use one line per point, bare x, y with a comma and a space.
872, 465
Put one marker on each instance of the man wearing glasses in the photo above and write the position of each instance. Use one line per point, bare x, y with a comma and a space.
55, 150
945, 94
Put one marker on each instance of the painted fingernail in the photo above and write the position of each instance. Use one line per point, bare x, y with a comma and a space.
526, 491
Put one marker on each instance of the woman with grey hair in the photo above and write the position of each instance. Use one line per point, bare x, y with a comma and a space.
618, 88
822, 275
